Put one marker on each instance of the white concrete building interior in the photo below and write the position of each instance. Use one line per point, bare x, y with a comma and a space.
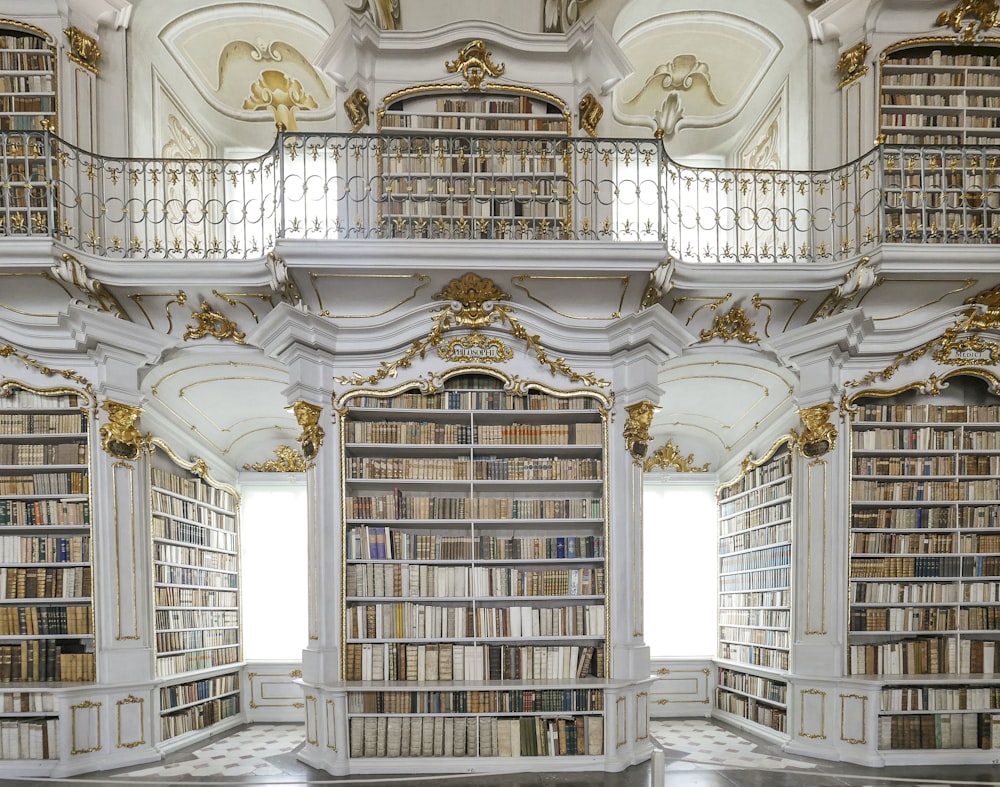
602, 391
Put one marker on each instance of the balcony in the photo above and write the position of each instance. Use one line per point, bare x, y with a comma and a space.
410, 187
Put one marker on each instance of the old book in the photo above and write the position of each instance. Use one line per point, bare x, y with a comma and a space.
381, 736
357, 736
445, 667
404, 736
595, 734
503, 738
427, 736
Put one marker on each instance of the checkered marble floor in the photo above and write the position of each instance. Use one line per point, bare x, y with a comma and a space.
706, 743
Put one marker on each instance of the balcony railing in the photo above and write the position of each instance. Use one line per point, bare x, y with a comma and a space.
464, 187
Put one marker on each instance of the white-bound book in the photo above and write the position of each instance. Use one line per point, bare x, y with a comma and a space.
404, 737
381, 736
393, 734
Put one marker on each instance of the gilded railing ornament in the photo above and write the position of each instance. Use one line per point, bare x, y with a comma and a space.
475, 63
83, 49
212, 323
312, 434
636, 429
970, 18
591, 113
819, 435
119, 436
356, 106
668, 456
851, 65
289, 461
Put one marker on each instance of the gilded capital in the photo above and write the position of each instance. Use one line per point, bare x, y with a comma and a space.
819, 435
312, 433
83, 49
851, 65
356, 106
119, 436
636, 430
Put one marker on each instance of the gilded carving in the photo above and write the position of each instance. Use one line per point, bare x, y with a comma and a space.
636, 429
475, 63
131, 700
858, 281
819, 435
83, 49
7, 350
659, 284
312, 434
668, 456
591, 113
851, 65
283, 95
476, 348
213, 323
384, 13
734, 325
289, 461
356, 106
970, 18
119, 436
476, 298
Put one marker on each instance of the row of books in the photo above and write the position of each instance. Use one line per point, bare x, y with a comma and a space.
377, 542
196, 618
984, 489
42, 620
454, 662
191, 533
765, 557
477, 468
767, 579
472, 736
182, 575
940, 731
196, 660
422, 579
405, 505
206, 688
46, 582
45, 660
36, 739
476, 701
751, 709
918, 518
774, 469
756, 497
198, 717
906, 543
194, 597
771, 618
771, 638
936, 619
195, 488
193, 511
27, 702
921, 438
477, 400
25, 83
940, 698
762, 599
193, 556
60, 483
938, 464
929, 566
754, 654
43, 454
756, 538
949, 592
44, 549
944, 59
433, 433
959, 100
411, 620
176, 641
925, 656
776, 512
24, 513
930, 413
763, 688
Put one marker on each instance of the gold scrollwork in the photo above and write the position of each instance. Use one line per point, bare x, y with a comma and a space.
131, 700
8, 350
85, 705
851, 65
312, 434
476, 298
213, 323
667, 456
636, 429
356, 106
83, 49
819, 435
475, 63
289, 461
119, 436
476, 348
591, 113
970, 18
733, 325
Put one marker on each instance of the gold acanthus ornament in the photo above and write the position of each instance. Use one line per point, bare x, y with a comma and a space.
83, 49
288, 460
819, 435
475, 63
851, 65
119, 436
636, 430
212, 323
591, 113
669, 456
733, 325
970, 18
356, 106
312, 434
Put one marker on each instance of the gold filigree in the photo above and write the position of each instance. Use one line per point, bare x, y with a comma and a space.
119, 436
667, 456
356, 106
8, 350
859, 280
131, 700
970, 18
473, 303
591, 113
819, 435
312, 434
213, 323
659, 284
734, 325
476, 348
851, 65
475, 63
636, 429
83, 49
289, 461
282, 94
295, 673
179, 298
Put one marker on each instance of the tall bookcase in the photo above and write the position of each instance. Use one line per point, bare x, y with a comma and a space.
755, 550
196, 597
462, 167
475, 599
925, 564
46, 581
27, 105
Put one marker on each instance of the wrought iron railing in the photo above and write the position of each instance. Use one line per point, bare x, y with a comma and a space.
464, 187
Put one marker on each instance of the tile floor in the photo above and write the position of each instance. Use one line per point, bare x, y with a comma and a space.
696, 753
